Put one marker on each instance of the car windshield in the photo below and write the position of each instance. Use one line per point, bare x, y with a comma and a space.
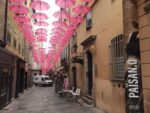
46, 78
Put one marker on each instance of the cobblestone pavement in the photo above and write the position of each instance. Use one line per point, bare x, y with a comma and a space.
45, 100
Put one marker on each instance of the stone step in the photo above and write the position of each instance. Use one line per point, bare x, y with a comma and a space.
83, 103
87, 100
89, 97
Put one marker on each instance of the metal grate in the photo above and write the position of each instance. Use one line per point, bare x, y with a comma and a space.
117, 57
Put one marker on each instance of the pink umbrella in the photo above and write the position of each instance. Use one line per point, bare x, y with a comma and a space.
58, 28
77, 20
40, 5
80, 9
62, 15
59, 24
72, 27
30, 39
41, 35
65, 3
41, 30
53, 41
42, 49
42, 39
24, 19
87, 0
41, 23
25, 26
19, 9
40, 16
55, 37
26, 31
57, 33
17, 1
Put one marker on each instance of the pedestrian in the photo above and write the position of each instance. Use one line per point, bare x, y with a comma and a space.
56, 81
60, 81
66, 82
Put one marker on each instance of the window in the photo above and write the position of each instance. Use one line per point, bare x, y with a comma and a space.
8, 39
33, 10
19, 48
25, 2
117, 58
15, 43
74, 43
89, 20
23, 52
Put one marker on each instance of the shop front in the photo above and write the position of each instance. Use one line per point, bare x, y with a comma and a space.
6, 77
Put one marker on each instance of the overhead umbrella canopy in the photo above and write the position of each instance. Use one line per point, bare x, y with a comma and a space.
40, 5
69, 19
40, 16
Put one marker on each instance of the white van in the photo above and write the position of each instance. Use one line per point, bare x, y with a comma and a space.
42, 80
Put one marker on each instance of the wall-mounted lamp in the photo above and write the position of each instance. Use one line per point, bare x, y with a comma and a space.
75, 48
92, 49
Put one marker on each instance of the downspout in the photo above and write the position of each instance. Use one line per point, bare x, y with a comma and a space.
5, 24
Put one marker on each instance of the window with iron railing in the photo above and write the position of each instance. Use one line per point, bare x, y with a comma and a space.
117, 53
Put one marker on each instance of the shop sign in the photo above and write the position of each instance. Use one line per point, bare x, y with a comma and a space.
133, 87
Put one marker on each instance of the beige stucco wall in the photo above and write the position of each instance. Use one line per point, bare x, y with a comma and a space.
144, 23
107, 22
15, 34
2, 19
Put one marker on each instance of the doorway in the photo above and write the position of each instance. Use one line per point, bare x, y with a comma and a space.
21, 86
74, 77
89, 72
26, 80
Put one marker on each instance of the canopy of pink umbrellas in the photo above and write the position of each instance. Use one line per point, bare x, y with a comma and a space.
63, 29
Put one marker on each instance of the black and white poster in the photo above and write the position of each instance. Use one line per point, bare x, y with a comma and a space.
133, 87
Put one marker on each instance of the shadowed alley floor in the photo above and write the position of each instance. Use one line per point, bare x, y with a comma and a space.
45, 100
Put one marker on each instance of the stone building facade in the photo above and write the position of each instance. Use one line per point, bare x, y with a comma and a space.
99, 68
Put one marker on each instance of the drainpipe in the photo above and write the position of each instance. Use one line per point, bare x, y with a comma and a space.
5, 24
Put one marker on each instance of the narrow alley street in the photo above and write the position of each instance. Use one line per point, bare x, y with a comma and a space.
96, 51
45, 100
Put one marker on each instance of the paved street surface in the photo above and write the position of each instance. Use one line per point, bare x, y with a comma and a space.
45, 100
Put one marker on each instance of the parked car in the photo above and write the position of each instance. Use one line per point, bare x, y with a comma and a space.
42, 80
